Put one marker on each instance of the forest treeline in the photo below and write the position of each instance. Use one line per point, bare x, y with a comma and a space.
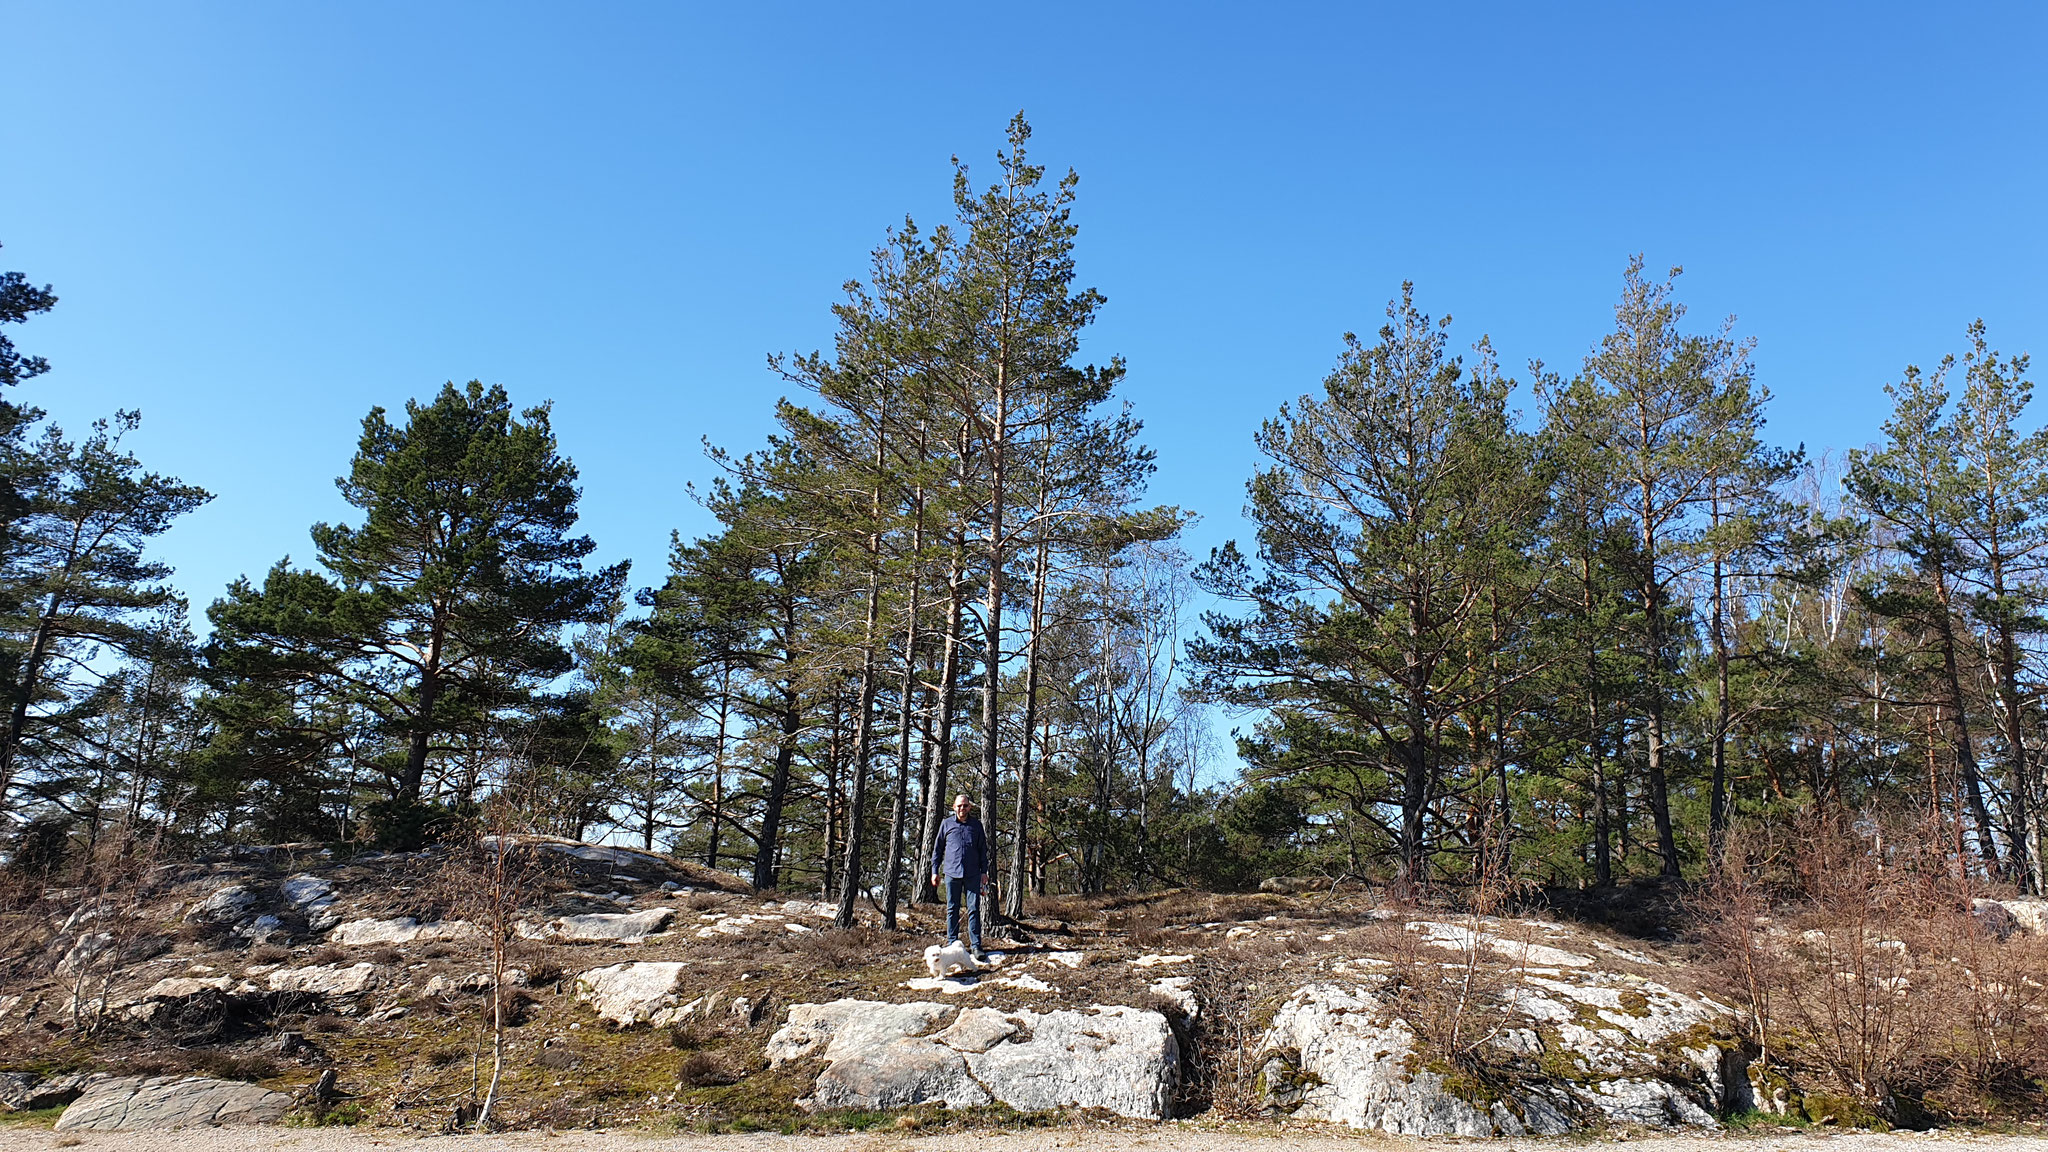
1572, 645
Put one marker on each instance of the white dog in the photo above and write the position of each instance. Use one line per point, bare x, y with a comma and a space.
950, 959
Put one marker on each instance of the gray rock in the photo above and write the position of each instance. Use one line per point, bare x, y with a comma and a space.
22, 1092
1337, 1055
2026, 912
166, 1102
231, 904
86, 951
176, 990
1649, 1103
876, 1055
880, 1055
1292, 884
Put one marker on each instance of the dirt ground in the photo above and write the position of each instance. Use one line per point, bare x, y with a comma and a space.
1164, 1138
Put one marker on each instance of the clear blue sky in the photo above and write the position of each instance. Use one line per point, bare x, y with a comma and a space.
263, 219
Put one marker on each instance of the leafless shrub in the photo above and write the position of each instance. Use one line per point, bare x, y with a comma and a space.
704, 1069
326, 954
1855, 955
233, 1065
1457, 999
705, 901
269, 954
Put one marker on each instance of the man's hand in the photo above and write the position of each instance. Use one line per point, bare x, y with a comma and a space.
984, 879
938, 881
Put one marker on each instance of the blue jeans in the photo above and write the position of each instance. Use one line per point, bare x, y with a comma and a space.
961, 889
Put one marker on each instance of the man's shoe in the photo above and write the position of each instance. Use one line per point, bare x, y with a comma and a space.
981, 957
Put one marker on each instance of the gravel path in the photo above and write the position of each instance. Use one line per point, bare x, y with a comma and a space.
1168, 1138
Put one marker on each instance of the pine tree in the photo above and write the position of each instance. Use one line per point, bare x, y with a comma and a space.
1388, 501
446, 605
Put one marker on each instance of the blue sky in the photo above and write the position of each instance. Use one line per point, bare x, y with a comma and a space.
264, 219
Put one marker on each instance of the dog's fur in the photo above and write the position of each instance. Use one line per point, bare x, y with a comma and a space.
950, 959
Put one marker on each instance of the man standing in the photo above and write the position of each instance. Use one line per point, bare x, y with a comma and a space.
960, 864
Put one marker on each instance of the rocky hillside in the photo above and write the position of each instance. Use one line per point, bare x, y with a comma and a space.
295, 983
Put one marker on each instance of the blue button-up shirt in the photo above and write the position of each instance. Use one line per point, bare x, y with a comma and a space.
961, 849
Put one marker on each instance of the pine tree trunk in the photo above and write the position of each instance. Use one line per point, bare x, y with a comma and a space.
1653, 728
992, 620
1717, 803
1965, 752
791, 717
1019, 874
937, 780
898, 811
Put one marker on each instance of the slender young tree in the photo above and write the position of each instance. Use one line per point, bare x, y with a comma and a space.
1678, 412
2002, 536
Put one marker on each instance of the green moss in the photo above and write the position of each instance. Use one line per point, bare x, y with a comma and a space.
1842, 1111
1635, 1004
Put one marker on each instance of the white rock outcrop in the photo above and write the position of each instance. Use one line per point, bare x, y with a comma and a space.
603, 927
402, 930
880, 1055
228, 904
1344, 1053
641, 992
331, 981
313, 897
2028, 912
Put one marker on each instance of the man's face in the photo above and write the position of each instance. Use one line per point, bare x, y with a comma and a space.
962, 809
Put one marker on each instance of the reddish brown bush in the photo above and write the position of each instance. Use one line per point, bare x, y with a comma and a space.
1857, 955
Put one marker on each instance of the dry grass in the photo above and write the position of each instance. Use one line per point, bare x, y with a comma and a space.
841, 948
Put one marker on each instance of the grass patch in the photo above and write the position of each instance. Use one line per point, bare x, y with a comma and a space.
39, 1118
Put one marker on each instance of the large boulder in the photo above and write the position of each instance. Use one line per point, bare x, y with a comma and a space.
161, 1102
194, 1009
880, 1055
641, 992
